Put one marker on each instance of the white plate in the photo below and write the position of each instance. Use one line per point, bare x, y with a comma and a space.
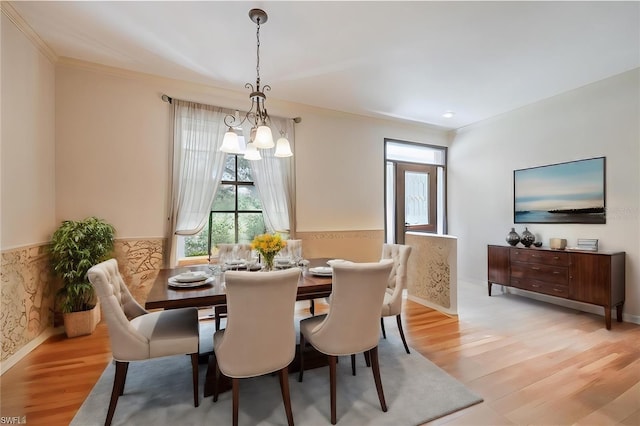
324, 271
334, 261
235, 262
191, 277
178, 284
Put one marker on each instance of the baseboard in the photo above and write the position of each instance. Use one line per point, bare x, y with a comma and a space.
571, 304
26, 349
431, 305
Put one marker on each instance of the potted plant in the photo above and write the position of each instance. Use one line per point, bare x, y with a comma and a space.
75, 247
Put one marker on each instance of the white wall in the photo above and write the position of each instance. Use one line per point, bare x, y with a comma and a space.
28, 141
601, 119
112, 149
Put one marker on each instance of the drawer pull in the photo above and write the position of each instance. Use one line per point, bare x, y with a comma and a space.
557, 290
556, 272
535, 285
534, 255
535, 268
556, 258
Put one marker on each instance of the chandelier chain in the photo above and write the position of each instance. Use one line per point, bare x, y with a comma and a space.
258, 55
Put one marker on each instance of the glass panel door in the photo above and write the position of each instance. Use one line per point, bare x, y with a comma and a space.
416, 189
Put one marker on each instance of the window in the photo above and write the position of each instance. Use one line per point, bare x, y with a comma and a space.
415, 190
236, 211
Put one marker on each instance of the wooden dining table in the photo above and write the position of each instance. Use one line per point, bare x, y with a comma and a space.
163, 296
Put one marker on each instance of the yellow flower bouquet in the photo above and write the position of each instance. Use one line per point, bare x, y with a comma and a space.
268, 245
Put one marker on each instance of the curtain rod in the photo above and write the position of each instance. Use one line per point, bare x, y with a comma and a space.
167, 98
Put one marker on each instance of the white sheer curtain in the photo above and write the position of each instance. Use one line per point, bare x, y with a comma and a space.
275, 179
196, 168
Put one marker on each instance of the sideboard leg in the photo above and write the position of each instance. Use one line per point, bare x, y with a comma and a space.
607, 317
619, 312
489, 288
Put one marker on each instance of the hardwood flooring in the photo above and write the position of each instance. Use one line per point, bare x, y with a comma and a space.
532, 362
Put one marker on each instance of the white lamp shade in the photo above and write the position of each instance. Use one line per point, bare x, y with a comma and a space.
252, 153
230, 143
283, 148
264, 139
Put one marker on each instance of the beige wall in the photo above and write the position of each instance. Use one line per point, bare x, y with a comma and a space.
601, 119
28, 141
112, 148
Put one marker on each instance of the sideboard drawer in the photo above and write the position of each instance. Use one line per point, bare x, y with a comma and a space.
552, 289
539, 256
540, 272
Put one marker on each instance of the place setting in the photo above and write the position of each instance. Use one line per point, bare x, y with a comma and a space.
326, 271
190, 279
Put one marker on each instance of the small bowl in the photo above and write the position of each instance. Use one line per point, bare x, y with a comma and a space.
538, 244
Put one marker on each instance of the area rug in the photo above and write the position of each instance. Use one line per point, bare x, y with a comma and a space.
159, 392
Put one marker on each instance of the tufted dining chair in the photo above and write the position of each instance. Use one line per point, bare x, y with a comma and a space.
138, 335
351, 325
260, 336
392, 304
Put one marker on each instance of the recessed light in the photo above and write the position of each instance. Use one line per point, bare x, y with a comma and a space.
448, 114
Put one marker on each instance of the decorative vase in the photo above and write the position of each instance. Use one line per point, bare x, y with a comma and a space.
268, 261
513, 238
527, 238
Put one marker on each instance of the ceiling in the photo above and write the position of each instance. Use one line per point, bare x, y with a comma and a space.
404, 60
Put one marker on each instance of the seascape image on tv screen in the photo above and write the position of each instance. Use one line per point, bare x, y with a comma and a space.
561, 193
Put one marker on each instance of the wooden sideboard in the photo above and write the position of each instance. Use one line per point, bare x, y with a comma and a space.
597, 278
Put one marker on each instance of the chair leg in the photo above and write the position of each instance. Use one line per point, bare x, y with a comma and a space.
332, 384
194, 370
302, 343
286, 396
375, 367
384, 333
312, 307
404, 341
367, 358
236, 397
124, 378
118, 387
213, 366
353, 364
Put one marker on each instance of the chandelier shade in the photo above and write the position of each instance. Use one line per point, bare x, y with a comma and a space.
252, 153
230, 142
264, 138
283, 148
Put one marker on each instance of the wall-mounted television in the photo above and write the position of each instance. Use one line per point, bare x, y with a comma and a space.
571, 192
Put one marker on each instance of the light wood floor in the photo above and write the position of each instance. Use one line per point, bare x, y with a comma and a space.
532, 362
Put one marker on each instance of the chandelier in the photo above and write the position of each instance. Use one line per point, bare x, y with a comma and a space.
261, 137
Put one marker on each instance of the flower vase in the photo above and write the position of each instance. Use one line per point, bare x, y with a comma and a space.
268, 261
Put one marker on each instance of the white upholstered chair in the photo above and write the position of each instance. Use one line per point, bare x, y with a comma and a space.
136, 334
392, 304
351, 326
260, 334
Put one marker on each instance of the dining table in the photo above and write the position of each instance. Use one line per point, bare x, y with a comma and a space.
164, 296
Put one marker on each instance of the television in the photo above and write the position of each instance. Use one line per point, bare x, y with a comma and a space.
571, 192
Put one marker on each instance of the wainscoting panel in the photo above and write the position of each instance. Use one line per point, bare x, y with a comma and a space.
28, 287
27, 296
139, 262
432, 271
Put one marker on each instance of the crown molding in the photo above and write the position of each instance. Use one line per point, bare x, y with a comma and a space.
10, 12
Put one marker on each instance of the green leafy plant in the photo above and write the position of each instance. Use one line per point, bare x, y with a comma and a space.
75, 247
